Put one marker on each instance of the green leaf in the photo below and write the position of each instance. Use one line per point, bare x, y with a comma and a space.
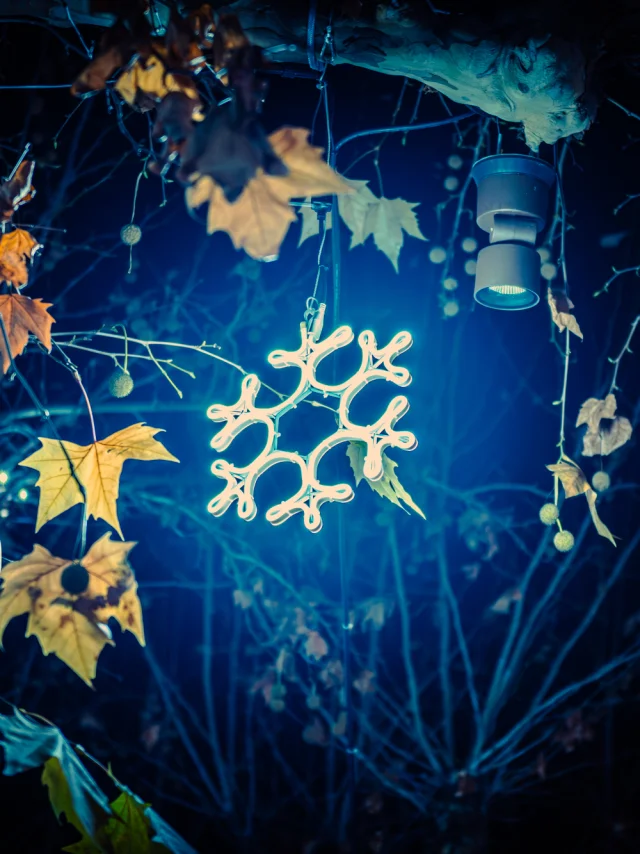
69, 795
126, 826
28, 744
388, 486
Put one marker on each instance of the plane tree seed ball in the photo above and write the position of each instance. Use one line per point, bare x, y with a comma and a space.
548, 514
563, 541
601, 481
437, 255
131, 234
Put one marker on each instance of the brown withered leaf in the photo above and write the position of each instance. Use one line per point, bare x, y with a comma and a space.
23, 316
315, 646
574, 481
315, 733
572, 478
69, 602
17, 191
561, 308
600, 527
364, 683
259, 220
608, 439
594, 410
145, 83
599, 438
18, 248
173, 127
229, 146
115, 49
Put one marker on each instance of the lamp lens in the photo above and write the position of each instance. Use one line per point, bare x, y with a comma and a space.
507, 290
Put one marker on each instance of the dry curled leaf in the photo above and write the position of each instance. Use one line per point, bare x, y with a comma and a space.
18, 248
574, 481
115, 49
594, 410
315, 646
242, 598
572, 478
17, 191
315, 733
603, 439
502, 605
260, 218
145, 83
97, 467
23, 316
388, 486
364, 684
340, 726
561, 308
70, 602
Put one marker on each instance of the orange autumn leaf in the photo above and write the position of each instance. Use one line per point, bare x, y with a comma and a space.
561, 308
17, 248
69, 602
259, 219
148, 81
97, 467
23, 316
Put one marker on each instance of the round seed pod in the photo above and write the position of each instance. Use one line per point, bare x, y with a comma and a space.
601, 481
277, 705
120, 383
313, 701
564, 541
74, 578
548, 514
130, 234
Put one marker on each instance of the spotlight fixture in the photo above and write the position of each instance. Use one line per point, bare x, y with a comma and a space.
513, 197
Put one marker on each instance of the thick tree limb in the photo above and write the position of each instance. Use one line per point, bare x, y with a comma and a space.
523, 70
529, 63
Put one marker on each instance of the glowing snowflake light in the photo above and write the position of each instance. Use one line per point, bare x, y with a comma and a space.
376, 364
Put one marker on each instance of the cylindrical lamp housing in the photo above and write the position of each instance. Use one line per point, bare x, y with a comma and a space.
513, 197
507, 276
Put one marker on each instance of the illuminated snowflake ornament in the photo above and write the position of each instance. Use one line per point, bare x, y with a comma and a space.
376, 364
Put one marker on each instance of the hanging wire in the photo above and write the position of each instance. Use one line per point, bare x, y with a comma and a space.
85, 47
133, 216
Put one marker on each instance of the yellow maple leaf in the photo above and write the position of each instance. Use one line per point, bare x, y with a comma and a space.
388, 486
366, 215
69, 602
97, 467
22, 316
151, 78
17, 249
259, 219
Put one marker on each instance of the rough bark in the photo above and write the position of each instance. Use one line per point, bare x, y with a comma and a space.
529, 63
520, 67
